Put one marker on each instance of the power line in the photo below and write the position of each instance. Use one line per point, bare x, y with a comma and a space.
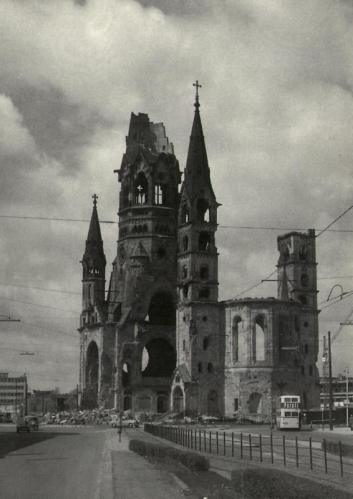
334, 221
51, 290
38, 305
245, 227
54, 219
338, 300
254, 286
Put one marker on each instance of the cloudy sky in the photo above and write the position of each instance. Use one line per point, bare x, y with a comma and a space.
277, 111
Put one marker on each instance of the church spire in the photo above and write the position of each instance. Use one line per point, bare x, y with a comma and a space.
197, 171
94, 253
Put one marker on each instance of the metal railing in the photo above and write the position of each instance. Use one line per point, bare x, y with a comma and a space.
264, 448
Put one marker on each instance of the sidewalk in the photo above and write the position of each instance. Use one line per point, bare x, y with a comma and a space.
126, 475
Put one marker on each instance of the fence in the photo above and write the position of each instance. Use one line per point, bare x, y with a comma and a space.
265, 448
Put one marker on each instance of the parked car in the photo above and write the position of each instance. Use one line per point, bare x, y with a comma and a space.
208, 420
33, 422
131, 423
22, 425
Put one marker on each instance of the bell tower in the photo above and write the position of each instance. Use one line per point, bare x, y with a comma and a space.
297, 268
199, 343
93, 269
197, 223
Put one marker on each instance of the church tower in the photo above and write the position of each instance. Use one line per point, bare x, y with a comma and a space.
95, 367
198, 339
142, 296
93, 267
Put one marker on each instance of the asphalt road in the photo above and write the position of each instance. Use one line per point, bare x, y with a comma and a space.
52, 463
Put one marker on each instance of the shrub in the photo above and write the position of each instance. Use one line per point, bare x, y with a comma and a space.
261, 483
158, 451
333, 447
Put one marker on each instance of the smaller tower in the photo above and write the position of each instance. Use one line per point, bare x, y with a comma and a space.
297, 268
93, 265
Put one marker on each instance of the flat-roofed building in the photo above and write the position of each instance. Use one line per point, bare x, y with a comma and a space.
13, 393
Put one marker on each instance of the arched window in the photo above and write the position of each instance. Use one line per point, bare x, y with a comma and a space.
206, 343
203, 210
259, 339
185, 243
235, 337
210, 367
185, 291
160, 194
199, 366
205, 239
184, 272
185, 216
141, 189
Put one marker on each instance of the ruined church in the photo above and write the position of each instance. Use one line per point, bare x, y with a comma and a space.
159, 339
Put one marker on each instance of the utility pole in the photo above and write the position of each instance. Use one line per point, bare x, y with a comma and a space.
330, 380
347, 397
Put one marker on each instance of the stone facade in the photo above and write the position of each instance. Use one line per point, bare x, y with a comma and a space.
161, 340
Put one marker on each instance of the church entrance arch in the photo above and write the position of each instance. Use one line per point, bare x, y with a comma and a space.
178, 400
161, 359
90, 396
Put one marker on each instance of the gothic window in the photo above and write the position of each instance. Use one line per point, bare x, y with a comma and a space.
125, 196
306, 349
141, 189
303, 253
206, 343
204, 241
185, 291
185, 243
235, 337
310, 370
184, 272
158, 194
184, 345
210, 367
259, 339
204, 272
185, 216
204, 293
203, 210
199, 367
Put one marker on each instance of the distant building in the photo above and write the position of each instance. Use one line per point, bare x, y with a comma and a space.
13, 393
339, 389
161, 340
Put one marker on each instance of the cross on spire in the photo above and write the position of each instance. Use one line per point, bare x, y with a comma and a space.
197, 86
94, 197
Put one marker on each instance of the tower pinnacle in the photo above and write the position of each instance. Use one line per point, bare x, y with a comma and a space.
197, 86
94, 197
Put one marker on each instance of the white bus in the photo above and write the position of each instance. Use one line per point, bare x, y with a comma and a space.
288, 412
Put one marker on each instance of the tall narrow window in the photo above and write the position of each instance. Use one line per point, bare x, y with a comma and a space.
158, 197
259, 339
204, 272
203, 211
235, 337
205, 241
141, 189
185, 214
